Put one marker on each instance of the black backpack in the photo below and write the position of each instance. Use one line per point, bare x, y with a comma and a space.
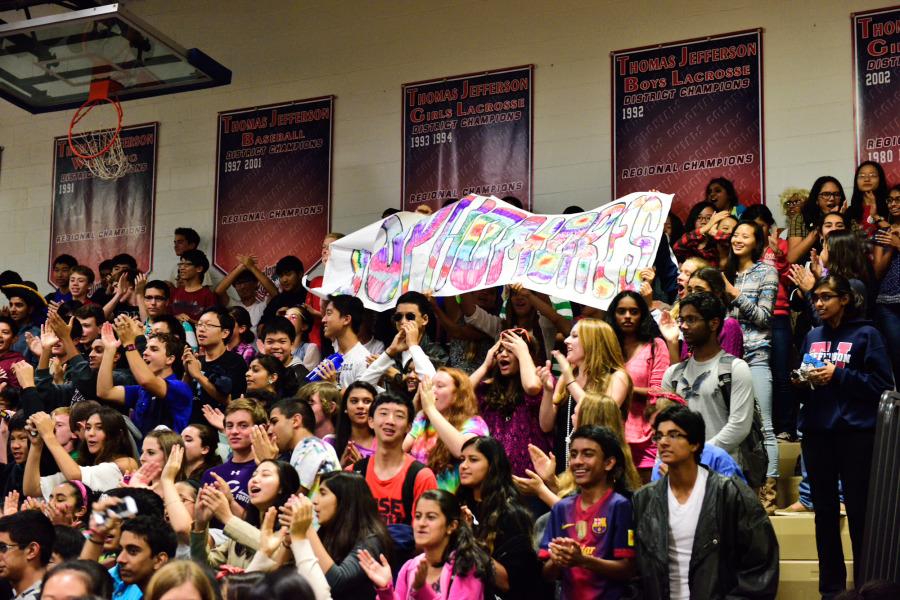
401, 533
752, 456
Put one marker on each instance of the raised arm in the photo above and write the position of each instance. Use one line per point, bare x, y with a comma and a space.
451, 436
128, 330
481, 372
31, 480
105, 388
43, 424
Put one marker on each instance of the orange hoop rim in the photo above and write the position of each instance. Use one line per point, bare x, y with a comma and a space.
99, 94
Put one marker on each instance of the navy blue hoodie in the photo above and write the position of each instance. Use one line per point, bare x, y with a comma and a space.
863, 373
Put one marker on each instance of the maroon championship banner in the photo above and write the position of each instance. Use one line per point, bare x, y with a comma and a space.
876, 79
93, 219
273, 183
469, 134
686, 112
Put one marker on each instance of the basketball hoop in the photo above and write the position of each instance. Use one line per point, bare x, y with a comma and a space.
100, 149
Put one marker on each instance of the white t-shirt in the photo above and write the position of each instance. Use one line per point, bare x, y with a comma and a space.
256, 310
354, 364
100, 478
682, 527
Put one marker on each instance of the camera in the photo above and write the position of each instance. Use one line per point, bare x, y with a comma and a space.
126, 509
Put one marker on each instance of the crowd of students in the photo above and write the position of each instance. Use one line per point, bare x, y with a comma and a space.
499, 444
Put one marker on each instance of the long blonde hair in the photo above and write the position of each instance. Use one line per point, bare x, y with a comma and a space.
600, 409
602, 358
463, 407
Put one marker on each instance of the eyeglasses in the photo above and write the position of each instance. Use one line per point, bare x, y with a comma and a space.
400, 316
205, 325
689, 321
672, 436
893, 200
867, 176
823, 297
830, 195
793, 202
4, 547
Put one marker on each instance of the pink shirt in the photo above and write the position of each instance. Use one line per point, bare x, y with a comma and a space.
646, 369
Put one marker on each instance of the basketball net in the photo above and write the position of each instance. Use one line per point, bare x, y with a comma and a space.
99, 148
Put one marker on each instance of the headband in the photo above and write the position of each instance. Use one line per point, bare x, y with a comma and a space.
82, 489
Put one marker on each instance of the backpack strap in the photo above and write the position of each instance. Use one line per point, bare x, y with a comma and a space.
409, 488
725, 362
677, 374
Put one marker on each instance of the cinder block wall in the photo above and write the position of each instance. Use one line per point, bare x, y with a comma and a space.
363, 51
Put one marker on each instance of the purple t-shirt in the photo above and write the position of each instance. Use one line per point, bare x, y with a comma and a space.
604, 530
516, 430
236, 475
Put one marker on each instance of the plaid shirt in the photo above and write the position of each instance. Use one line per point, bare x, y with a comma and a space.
688, 246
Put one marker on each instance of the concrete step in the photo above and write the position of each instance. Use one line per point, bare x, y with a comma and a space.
797, 537
799, 579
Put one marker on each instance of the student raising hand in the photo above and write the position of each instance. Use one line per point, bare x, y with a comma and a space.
379, 572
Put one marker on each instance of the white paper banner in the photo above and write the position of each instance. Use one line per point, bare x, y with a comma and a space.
481, 242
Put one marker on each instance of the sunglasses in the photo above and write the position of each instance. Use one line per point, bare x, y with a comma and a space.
522, 333
400, 316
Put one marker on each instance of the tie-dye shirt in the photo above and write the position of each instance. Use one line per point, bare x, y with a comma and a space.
425, 438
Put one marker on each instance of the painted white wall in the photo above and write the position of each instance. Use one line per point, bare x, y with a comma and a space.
363, 51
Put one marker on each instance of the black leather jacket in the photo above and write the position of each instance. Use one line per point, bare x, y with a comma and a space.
735, 553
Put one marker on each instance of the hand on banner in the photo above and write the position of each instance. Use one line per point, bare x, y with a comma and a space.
646, 292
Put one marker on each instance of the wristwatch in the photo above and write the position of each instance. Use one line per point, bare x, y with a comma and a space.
130, 347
